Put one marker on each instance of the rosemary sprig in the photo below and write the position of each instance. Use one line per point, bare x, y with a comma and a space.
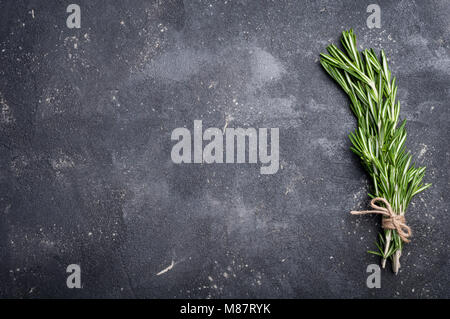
378, 141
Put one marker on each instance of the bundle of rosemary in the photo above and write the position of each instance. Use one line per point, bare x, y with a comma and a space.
378, 141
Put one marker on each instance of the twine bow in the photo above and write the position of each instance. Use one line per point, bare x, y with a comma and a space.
390, 219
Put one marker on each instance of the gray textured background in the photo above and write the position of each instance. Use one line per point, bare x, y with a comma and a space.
86, 175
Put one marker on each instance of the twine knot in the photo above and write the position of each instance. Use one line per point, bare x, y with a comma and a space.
390, 219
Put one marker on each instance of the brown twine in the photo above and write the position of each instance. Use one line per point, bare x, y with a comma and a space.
390, 219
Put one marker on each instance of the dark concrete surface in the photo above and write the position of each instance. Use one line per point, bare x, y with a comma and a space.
86, 174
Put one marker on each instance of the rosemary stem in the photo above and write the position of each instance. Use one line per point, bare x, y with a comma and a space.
396, 260
386, 248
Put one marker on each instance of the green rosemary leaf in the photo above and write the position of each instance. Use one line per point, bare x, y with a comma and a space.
375, 253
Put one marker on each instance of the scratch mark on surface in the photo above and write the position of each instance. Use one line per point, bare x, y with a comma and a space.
228, 118
167, 268
423, 150
225, 126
